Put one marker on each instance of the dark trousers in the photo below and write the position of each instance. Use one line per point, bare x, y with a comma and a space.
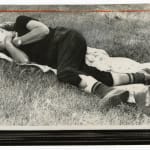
71, 61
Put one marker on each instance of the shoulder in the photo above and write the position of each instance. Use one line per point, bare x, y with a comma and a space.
23, 20
23, 17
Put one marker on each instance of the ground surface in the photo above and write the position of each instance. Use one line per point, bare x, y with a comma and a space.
29, 97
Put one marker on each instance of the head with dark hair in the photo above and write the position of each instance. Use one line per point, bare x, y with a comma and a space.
9, 26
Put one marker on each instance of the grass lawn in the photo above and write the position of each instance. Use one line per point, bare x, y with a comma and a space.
29, 97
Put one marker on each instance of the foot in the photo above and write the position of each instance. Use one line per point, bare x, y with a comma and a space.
115, 98
112, 96
143, 101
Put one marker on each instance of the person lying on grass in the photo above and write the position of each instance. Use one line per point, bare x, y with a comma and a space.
63, 49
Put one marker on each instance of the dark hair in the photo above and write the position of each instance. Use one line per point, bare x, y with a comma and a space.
9, 26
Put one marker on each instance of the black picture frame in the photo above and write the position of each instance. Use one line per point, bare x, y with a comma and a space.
75, 137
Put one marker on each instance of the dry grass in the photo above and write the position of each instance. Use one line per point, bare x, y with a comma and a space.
29, 97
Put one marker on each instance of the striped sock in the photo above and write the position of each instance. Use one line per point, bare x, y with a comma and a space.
90, 83
136, 77
95, 86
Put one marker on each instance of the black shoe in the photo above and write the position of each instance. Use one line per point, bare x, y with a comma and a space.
115, 98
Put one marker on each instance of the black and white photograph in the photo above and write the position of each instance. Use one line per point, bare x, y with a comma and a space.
75, 66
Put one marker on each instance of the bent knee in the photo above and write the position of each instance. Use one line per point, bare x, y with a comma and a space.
69, 76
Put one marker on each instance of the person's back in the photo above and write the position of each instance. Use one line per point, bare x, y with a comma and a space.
43, 51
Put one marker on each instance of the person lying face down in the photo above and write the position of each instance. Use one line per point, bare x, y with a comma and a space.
63, 49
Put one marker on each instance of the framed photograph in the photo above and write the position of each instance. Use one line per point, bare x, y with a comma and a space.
74, 74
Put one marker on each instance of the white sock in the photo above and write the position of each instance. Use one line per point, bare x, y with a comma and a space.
90, 82
116, 79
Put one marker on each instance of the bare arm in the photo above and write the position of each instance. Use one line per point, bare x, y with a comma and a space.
37, 32
18, 55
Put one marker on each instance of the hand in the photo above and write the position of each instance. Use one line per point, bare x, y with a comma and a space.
17, 41
9, 38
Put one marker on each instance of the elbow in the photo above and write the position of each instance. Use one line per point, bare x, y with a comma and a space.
25, 61
44, 30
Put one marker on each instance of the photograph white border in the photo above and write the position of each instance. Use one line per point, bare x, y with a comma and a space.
71, 2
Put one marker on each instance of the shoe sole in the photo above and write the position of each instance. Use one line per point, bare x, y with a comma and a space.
116, 99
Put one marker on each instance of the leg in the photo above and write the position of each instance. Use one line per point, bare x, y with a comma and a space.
71, 54
71, 57
112, 96
102, 76
113, 79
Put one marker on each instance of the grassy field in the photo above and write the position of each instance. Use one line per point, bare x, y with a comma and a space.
30, 97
